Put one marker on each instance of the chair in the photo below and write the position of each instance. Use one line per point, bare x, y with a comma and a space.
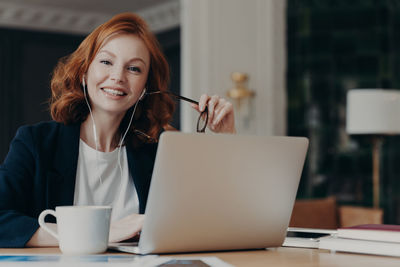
315, 213
351, 215
324, 213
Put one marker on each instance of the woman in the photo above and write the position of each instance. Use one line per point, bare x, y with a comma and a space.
105, 115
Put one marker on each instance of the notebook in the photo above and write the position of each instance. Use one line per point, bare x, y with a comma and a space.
220, 192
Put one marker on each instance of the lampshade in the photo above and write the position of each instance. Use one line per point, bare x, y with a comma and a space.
373, 111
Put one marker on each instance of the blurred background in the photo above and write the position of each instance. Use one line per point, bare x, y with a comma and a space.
300, 58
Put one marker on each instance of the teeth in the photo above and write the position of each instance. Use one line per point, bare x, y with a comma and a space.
112, 91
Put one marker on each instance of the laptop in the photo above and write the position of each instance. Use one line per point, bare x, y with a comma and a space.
213, 192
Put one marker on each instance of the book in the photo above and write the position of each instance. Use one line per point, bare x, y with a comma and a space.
334, 243
301, 242
374, 232
305, 237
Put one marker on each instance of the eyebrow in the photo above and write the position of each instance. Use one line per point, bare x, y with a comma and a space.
113, 55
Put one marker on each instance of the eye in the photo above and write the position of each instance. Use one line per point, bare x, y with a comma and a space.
105, 62
134, 69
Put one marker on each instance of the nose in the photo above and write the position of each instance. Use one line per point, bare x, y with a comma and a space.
117, 74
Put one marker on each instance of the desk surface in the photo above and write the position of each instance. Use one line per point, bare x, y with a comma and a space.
271, 257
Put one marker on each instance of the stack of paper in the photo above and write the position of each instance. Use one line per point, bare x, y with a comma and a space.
50, 260
378, 239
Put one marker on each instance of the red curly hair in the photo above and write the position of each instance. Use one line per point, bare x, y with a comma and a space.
67, 104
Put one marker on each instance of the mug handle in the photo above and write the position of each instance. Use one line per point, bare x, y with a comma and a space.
43, 224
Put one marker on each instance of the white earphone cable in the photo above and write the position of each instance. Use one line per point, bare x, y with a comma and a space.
122, 138
94, 129
127, 129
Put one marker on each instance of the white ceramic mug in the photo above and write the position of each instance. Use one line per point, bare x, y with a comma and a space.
81, 229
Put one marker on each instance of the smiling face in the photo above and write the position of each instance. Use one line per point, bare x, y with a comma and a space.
118, 73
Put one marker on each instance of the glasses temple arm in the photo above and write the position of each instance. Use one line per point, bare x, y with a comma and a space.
174, 95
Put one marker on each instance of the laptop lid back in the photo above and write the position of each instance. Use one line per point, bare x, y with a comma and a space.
221, 192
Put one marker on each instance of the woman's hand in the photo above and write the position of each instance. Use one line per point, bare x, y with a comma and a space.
220, 113
126, 228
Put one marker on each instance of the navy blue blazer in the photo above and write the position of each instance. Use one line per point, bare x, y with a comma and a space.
39, 173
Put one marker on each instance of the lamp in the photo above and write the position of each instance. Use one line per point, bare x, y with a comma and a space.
240, 91
374, 112
242, 101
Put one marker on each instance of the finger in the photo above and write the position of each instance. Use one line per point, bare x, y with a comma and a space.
203, 102
212, 103
220, 105
126, 228
196, 107
217, 110
224, 112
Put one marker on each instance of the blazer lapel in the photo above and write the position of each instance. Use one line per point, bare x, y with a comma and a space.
61, 179
141, 163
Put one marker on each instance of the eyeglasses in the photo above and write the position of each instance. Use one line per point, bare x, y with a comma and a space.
201, 121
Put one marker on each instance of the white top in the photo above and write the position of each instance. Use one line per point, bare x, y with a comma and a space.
120, 194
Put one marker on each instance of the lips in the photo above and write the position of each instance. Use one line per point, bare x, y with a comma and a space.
114, 91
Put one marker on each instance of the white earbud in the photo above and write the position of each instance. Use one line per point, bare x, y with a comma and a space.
83, 82
143, 94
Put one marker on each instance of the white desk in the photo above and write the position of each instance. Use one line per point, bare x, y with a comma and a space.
271, 257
